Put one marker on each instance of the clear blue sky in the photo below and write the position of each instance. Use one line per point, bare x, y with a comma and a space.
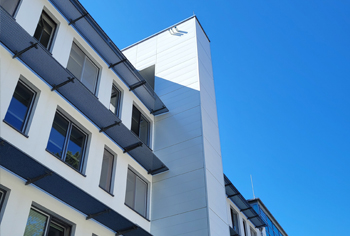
282, 80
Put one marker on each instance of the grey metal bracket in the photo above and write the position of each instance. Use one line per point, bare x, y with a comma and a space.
246, 209
109, 126
136, 85
155, 170
127, 230
154, 111
252, 217
113, 65
33, 45
55, 87
90, 216
132, 146
30, 181
80, 17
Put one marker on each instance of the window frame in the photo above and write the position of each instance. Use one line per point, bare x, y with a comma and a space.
63, 158
111, 181
137, 175
252, 232
148, 144
86, 57
119, 101
51, 219
234, 213
245, 228
54, 31
29, 112
15, 10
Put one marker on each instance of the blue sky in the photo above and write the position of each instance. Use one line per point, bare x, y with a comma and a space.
282, 80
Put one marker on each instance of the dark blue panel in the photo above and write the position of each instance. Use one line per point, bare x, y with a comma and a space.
103, 45
15, 38
26, 167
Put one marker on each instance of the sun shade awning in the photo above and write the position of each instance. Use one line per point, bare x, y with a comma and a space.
37, 58
86, 26
36, 173
236, 197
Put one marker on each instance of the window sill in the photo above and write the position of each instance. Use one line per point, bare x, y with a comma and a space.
136, 212
15, 129
106, 191
65, 163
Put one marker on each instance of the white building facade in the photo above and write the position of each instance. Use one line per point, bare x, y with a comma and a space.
95, 141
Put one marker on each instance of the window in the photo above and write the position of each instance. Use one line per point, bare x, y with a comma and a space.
45, 30
140, 126
2, 197
136, 193
244, 228
20, 107
115, 100
9, 5
67, 142
234, 219
252, 232
42, 224
107, 171
83, 68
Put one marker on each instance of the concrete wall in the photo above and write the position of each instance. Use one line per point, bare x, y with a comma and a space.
189, 199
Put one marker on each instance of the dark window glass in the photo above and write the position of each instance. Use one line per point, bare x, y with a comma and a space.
136, 193
75, 148
66, 141
140, 126
2, 198
42, 224
18, 111
9, 5
45, 30
234, 218
115, 100
106, 171
83, 68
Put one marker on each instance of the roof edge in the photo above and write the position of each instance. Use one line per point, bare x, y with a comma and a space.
153, 35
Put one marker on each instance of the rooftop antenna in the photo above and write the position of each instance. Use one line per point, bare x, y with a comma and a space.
251, 180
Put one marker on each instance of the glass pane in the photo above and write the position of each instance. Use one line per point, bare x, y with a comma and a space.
115, 100
90, 73
141, 196
35, 224
19, 106
75, 62
57, 135
9, 5
55, 230
106, 171
135, 122
130, 189
144, 130
44, 30
75, 148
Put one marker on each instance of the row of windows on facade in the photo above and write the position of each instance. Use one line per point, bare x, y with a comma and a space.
84, 69
235, 225
68, 142
271, 229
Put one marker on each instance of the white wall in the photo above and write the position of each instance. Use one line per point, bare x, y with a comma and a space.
42, 117
190, 197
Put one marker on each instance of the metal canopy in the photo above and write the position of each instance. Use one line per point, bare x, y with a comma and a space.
87, 27
15, 38
26, 167
236, 197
